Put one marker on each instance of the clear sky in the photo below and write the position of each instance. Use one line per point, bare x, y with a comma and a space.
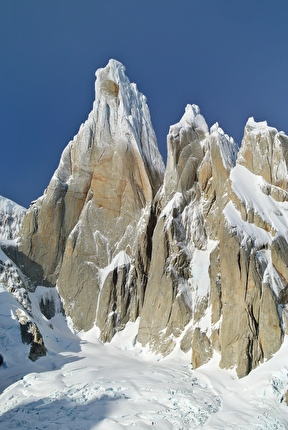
230, 57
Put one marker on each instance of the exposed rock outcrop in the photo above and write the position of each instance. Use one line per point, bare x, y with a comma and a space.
264, 152
30, 334
14, 282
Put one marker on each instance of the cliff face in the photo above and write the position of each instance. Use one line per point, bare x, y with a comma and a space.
200, 255
95, 216
216, 281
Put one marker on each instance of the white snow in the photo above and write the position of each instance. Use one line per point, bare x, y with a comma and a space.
175, 202
83, 384
200, 268
244, 228
120, 260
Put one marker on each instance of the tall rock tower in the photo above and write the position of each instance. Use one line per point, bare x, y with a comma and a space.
89, 232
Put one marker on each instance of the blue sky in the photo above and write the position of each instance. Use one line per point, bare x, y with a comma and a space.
230, 57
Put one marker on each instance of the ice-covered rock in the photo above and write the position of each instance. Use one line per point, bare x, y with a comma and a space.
31, 335
264, 152
16, 301
11, 215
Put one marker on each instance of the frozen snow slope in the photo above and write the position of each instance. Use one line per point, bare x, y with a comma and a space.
84, 384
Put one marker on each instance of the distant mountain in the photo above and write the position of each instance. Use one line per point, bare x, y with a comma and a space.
198, 250
11, 215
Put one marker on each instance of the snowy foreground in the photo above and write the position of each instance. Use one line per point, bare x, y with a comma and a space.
83, 384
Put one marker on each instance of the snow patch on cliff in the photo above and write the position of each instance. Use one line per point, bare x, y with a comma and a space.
120, 260
245, 229
248, 187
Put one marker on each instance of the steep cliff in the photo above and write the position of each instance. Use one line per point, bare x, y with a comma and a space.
199, 253
90, 232
218, 273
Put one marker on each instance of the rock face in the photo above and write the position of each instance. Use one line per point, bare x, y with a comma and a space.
30, 334
218, 268
199, 253
90, 232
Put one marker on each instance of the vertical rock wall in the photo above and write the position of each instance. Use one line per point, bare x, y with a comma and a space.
87, 232
218, 265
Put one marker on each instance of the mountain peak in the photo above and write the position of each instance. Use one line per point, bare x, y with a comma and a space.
191, 118
194, 253
109, 78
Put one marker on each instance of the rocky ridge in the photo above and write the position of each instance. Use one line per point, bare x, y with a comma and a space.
198, 251
221, 243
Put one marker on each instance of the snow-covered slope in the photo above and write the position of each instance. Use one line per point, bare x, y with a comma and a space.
85, 384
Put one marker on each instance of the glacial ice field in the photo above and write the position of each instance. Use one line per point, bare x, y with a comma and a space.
84, 384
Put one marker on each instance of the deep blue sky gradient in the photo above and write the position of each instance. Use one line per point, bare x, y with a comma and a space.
230, 57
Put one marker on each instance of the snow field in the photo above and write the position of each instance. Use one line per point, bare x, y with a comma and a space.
83, 384
109, 391
118, 385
